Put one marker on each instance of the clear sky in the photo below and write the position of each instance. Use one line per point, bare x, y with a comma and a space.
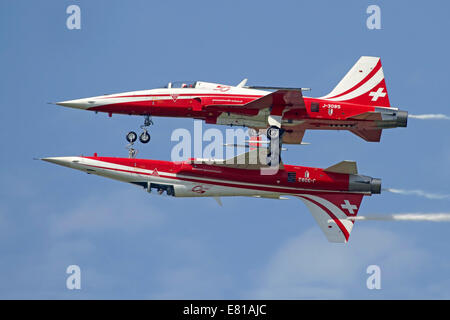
129, 244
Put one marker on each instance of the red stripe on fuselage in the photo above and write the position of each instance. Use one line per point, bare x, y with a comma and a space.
316, 178
169, 95
236, 184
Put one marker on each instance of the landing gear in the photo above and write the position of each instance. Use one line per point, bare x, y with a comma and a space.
131, 137
144, 137
273, 132
147, 121
275, 136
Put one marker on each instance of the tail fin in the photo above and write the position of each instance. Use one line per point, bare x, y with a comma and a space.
331, 211
363, 84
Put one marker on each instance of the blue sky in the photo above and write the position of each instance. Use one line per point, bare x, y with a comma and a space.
132, 245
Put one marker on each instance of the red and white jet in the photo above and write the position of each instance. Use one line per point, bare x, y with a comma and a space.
333, 195
359, 104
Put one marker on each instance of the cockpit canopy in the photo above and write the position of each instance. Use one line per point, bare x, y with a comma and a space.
197, 85
182, 84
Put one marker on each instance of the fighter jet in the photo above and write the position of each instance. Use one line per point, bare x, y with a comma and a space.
333, 195
359, 104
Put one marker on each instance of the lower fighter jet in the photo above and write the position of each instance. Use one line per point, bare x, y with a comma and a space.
333, 195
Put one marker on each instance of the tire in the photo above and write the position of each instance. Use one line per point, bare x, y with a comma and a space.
144, 137
273, 133
131, 136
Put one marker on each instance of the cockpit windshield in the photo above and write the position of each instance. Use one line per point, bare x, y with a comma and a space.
181, 84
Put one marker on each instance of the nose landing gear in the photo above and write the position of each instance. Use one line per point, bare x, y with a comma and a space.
131, 137
144, 137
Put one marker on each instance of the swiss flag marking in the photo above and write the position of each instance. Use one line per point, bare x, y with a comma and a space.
377, 94
348, 206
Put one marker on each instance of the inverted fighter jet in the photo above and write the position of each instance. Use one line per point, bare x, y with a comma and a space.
333, 195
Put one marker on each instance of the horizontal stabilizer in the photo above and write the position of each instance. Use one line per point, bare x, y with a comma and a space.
369, 116
345, 166
371, 135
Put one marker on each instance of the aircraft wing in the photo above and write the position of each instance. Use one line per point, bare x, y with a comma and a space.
277, 103
253, 159
277, 100
280, 99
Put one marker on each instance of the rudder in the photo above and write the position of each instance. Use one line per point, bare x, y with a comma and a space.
332, 211
363, 84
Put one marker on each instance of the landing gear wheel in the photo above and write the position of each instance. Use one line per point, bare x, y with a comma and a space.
273, 133
131, 136
144, 137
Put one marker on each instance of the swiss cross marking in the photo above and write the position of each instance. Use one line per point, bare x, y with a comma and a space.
348, 206
376, 94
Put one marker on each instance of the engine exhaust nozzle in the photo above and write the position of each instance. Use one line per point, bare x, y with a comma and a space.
360, 183
402, 119
375, 186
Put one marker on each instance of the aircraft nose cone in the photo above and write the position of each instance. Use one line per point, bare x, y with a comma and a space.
62, 161
78, 104
56, 160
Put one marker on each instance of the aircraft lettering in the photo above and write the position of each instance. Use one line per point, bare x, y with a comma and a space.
199, 189
222, 88
332, 106
306, 180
